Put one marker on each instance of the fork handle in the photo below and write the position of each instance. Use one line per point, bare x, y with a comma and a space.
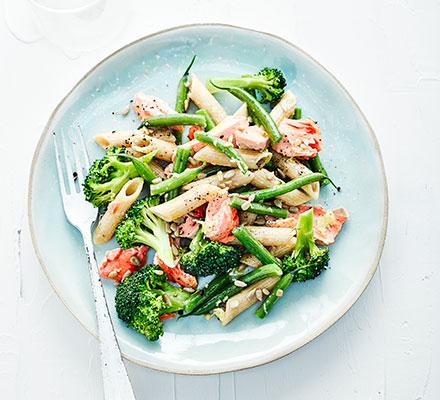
116, 382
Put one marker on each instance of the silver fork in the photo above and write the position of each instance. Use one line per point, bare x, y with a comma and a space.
81, 214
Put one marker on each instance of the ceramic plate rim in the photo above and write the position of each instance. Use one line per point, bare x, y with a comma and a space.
288, 348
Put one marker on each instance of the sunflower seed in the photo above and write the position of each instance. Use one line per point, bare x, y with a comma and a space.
174, 227
192, 161
116, 283
113, 274
293, 209
259, 294
201, 175
279, 292
251, 294
135, 261
168, 228
158, 272
166, 298
245, 205
278, 203
220, 176
229, 174
239, 283
125, 110
189, 289
126, 275
270, 175
251, 197
266, 292
175, 250
156, 180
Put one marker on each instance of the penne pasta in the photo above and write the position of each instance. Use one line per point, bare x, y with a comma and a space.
247, 218
285, 108
230, 179
265, 179
146, 144
269, 236
157, 169
253, 159
294, 169
186, 202
280, 251
241, 112
250, 260
162, 134
243, 300
116, 210
198, 93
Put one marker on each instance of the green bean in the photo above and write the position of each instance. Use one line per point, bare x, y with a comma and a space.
213, 169
174, 119
297, 113
286, 187
315, 165
209, 121
179, 165
176, 181
254, 246
262, 115
182, 89
243, 189
270, 300
258, 208
230, 290
142, 167
213, 287
224, 146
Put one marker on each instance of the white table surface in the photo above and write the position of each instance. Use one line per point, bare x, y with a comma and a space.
386, 347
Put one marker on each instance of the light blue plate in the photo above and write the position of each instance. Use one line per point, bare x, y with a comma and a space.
154, 65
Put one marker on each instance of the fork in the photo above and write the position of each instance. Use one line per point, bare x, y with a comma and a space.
82, 215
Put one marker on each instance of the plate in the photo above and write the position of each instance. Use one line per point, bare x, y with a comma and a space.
351, 154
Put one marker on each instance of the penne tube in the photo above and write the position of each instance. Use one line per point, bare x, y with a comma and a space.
198, 93
146, 144
241, 112
269, 236
280, 251
186, 202
285, 108
230, 179
157, 169
250, 260
116, 210
243, 300
265, 179
116, 138
294, 169
162, 134
253, 159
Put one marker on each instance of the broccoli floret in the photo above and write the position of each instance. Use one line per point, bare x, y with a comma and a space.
206, 257
143, 297
141, 226
307, 260
107, 176
269, 82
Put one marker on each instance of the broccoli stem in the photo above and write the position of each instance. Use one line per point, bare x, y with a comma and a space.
258, 208
210, 124
254, 246
225, 147
304, 239
230, 290
176, 181
196, 243
247, 82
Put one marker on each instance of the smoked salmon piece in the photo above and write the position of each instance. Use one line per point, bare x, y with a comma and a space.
301, 138
251, 138
147, 106
117, 262
176, 274
326, 224
220, 219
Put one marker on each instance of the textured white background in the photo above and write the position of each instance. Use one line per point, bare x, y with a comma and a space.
386, 347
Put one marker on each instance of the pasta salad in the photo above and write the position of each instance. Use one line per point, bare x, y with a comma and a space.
229, 206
